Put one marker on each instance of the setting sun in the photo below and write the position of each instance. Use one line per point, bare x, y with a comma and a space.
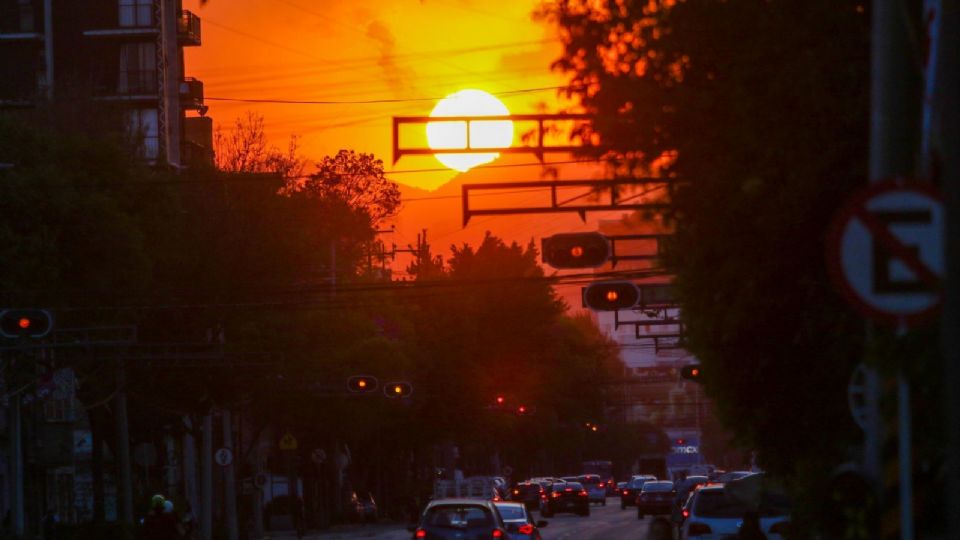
483, 134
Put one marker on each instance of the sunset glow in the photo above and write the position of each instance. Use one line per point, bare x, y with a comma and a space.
482, 134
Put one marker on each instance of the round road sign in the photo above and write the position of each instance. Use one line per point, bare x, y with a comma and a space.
223, 456
885, 252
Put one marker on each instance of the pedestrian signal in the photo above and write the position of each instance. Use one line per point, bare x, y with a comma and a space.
397, 389
33, 323
611, 295
362, 384
575, 250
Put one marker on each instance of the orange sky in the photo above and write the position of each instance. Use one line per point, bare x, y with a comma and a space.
416, 50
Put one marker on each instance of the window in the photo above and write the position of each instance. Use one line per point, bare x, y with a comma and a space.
136, 13
138, 69
143, 127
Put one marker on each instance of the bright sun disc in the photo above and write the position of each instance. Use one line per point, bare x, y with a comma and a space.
483, 134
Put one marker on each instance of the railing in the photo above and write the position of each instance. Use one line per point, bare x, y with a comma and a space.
191, 92
188, 28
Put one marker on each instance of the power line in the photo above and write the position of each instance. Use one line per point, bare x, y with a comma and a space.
372, 101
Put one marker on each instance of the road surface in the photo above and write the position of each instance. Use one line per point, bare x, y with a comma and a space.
604, 523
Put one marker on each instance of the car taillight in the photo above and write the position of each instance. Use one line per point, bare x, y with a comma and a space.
686, 513
625, 492
568, 489
421, 533
582, 494
526, 529
516, 492
555, 495
780, 527
497, 533
696, 529
602, 484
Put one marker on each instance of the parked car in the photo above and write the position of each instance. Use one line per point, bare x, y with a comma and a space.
595, 486
628, 495
363, 507
459, 519
715, 514
655, 498
566, 497
527, 493
519, 521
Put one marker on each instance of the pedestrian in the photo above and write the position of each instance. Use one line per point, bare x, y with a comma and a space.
50, 525
296, 512
750, 528
187, 522
160, 523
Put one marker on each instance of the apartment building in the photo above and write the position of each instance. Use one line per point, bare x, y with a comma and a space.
115, 57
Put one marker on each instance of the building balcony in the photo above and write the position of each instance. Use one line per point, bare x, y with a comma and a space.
128, 85
188, 29
191, 93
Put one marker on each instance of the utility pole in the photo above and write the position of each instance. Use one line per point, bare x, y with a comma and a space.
895, 104
206, 478
123, 447
948, 62
230, 485
16, 464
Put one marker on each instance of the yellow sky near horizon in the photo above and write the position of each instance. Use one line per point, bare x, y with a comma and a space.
408, 53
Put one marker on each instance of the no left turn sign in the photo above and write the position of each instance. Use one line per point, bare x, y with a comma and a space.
885, 252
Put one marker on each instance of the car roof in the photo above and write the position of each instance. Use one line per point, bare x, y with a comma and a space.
460, 501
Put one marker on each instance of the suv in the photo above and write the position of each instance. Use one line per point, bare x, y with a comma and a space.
566, 497
596, 488
714, 514
454, 519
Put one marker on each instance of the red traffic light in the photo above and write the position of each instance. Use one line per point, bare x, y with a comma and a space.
524, 410
362, 384
501, 400
611, 295
692, 373
399, 389
34, 323
575, 250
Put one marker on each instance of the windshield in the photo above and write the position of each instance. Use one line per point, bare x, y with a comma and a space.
716, 503
512, 512
459, 517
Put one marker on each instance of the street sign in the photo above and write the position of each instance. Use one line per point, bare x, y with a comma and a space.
885, 252
318, 456
288, 442
223, 456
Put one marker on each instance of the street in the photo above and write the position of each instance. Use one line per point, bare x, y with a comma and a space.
605, 523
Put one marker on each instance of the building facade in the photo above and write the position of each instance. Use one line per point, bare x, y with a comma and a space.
121, 57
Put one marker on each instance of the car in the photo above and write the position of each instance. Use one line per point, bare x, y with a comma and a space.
655, 497
628, 495
684, 488
566, 497
713, 514
457, 519
520, 524
363, 507
595, 486
731, 476
527, 493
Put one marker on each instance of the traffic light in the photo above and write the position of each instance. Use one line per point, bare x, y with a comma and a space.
397, 389
693, 372
33, 323
575, 250
526, 410
362, 384
611, 295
